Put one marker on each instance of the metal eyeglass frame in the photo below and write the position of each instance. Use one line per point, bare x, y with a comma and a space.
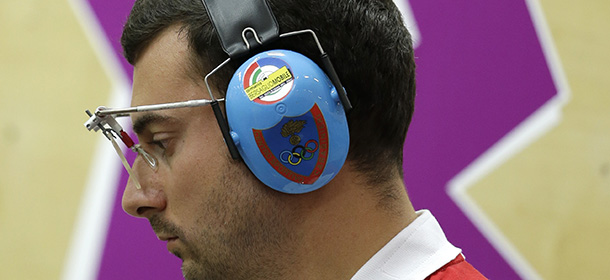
104, 120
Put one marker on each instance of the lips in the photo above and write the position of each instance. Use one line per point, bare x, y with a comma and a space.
165, 237
165, 231
171, 241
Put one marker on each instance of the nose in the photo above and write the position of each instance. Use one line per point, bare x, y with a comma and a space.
144, 202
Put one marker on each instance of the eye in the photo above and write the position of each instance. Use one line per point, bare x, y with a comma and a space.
159, 143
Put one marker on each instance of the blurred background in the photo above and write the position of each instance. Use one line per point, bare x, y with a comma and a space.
542, 205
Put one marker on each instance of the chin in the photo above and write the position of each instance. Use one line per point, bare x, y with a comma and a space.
190, 271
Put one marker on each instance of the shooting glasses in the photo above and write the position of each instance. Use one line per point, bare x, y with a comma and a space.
104, 120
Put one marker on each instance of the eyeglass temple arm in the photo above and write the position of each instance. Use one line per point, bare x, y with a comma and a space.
220, 116
120, 112
106, 116
224, 128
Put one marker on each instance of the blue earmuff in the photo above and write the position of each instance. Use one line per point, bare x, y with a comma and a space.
287, 121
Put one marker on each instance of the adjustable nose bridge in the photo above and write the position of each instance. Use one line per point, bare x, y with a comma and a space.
147, 157
147, 200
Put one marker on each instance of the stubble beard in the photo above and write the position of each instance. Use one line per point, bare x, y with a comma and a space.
252, 236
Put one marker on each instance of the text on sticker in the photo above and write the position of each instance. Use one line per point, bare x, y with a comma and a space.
274, 80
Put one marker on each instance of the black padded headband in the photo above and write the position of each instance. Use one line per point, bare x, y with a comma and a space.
242, 25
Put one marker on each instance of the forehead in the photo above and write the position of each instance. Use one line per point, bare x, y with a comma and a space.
162, 71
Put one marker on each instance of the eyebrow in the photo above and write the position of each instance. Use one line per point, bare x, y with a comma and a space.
146, 120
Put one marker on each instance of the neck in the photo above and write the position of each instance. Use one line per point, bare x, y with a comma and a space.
346, 223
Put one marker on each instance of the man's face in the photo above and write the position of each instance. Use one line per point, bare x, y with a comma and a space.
213, 213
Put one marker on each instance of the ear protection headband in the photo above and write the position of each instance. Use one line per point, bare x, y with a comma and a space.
285, 116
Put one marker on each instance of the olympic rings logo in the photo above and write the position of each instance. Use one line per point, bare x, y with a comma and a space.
299, 153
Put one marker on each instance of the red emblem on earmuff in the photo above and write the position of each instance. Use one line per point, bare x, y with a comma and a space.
296, 147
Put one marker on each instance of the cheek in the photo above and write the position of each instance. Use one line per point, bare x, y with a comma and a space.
190, 179
194, 174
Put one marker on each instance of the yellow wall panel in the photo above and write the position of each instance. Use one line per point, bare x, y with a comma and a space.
48, 75
552, 199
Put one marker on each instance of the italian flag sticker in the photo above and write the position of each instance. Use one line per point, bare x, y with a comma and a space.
268, 80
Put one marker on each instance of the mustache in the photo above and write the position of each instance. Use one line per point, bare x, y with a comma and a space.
160, 225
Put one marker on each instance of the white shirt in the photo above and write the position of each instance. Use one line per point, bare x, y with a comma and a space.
417, 251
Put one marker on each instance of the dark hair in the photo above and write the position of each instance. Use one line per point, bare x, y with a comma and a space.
366, 40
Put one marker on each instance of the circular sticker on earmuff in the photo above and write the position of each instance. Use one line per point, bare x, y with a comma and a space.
268, 80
